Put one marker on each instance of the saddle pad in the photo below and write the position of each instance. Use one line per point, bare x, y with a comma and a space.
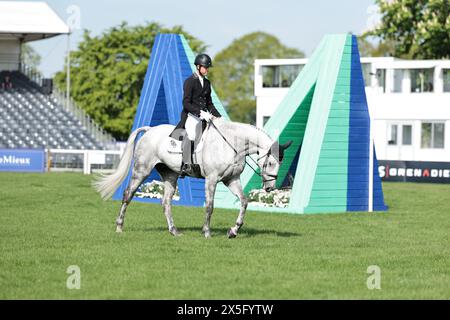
173, 146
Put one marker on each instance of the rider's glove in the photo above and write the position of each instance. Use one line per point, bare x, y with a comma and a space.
205, 115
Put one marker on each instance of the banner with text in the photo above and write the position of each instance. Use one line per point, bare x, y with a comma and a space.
22, 160
414, 171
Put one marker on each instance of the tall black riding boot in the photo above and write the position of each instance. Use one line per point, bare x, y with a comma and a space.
186, 167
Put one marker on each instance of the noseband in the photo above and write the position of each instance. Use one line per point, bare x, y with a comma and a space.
272, 176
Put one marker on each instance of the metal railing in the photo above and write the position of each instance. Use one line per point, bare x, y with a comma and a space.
69, 104
85, 161
93, 128
31, 73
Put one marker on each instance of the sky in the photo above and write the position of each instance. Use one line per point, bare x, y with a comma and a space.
299, 24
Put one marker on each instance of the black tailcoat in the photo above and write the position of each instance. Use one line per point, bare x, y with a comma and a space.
196, 98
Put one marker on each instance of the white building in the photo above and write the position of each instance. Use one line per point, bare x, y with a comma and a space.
409, 103
22, 22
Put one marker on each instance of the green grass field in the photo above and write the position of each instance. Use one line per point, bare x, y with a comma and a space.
51, 221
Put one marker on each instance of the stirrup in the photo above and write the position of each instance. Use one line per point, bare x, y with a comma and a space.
186, 170
190, 169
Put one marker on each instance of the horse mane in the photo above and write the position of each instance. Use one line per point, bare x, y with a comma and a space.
243, 127
231, 125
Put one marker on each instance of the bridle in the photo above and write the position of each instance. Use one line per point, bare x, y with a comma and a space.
272, 176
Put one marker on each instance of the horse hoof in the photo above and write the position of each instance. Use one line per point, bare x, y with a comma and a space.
207, 235
175, 232
231, 234
119, 229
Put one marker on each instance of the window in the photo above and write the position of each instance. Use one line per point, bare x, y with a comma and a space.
393, 130
438, 135
270, 76
446, 78
381, 78
422, 80
280, 76
265, 119
398, 80
433, 135
407, 135
366, 71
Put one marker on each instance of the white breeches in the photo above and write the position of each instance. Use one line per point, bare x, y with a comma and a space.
193, 127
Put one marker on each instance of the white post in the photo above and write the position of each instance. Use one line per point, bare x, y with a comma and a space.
86, 162
406, 81
68, 71
371, 158
438, 79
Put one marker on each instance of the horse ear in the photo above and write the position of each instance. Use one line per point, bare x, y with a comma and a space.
286, 145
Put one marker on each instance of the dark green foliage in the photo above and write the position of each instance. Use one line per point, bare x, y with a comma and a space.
419, 29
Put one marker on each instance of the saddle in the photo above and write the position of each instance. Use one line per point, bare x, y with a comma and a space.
174, 144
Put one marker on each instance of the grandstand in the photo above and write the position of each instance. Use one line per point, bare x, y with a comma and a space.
32, 119
33, 114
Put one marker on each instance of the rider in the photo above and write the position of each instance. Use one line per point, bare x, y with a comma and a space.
198, 108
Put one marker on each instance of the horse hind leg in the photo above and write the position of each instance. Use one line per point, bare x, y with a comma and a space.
138, 176
170, 179
210, 189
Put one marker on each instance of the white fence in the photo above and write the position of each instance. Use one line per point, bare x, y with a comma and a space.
84, 161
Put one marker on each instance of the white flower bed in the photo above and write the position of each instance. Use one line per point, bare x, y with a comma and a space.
275, 198
258, 197
154, 189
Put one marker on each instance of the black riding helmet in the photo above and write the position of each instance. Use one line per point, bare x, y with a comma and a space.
203, 60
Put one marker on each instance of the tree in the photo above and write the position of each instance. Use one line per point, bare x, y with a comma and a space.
30, 57
108, 71
233, 72
382, 49
420, 29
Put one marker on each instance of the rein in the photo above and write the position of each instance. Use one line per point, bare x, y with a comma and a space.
273, 176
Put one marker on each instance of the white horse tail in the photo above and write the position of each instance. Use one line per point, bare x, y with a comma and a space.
107, 184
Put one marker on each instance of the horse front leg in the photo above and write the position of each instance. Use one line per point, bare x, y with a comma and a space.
236, 188
210, 189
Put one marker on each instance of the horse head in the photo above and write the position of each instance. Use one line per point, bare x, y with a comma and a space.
270, 164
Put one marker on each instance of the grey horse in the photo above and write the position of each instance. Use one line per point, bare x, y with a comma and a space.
222, 158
